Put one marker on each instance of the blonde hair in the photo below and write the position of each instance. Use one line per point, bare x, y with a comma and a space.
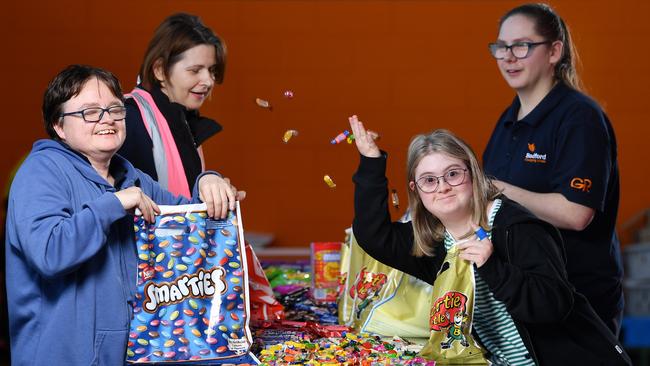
427, 228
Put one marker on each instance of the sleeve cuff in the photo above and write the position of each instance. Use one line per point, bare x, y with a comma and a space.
195, 191
110, 207
581, 199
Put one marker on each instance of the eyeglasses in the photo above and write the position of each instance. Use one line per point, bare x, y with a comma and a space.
430, 183
95, 114
519, 49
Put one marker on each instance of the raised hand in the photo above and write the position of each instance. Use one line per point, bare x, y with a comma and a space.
364, 139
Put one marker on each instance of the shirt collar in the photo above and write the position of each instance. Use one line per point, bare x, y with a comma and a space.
541, 111
164, 104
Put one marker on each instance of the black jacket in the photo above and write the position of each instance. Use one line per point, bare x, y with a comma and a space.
188, 128
526, 272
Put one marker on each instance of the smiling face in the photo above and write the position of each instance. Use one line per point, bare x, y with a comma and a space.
447, 202
191, 79
98, 141
526, 74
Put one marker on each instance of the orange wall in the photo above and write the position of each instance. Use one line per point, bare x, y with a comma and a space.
404, 67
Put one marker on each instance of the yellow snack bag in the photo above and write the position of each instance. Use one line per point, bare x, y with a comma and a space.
376, 298
451, 315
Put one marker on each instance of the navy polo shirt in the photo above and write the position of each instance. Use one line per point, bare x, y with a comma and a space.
567, 145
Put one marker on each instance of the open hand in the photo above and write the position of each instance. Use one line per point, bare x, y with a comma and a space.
364, 139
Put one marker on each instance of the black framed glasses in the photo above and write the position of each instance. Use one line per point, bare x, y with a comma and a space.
519, 49
430, 183
95, 114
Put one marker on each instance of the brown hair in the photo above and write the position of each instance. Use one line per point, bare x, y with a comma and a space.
68, 84
175, 35
427, 228
550, 25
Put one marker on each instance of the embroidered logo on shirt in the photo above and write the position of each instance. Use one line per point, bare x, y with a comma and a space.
581, 184
533, 157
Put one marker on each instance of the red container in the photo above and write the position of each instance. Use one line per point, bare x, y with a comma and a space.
325, 263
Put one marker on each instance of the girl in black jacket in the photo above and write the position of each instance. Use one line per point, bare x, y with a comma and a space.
526, 311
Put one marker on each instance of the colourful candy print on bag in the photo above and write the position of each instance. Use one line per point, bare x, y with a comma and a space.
192, 299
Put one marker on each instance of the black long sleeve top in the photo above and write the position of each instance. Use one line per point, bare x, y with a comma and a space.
526, 272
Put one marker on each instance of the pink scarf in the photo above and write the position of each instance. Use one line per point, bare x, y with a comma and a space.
169, 167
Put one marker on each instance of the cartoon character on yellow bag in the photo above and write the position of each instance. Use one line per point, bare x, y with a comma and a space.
367, 288
455, 331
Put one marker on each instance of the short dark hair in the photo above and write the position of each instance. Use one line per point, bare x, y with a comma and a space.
175, 35
66, 85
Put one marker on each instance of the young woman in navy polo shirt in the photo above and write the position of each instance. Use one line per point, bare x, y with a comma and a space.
553, 150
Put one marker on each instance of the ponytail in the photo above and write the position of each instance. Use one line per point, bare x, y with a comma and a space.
565, 69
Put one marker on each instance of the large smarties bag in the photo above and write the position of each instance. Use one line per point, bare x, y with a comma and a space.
380, 299
451, 315
192, 299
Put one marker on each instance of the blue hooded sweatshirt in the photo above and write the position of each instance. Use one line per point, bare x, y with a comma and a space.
71, 258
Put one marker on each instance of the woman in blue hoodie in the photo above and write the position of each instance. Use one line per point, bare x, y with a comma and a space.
71, 258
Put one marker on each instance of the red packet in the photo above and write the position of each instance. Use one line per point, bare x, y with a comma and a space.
264, 306
328, 331
325, 262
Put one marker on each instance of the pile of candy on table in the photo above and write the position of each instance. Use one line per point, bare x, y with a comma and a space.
306, 331
332, 345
